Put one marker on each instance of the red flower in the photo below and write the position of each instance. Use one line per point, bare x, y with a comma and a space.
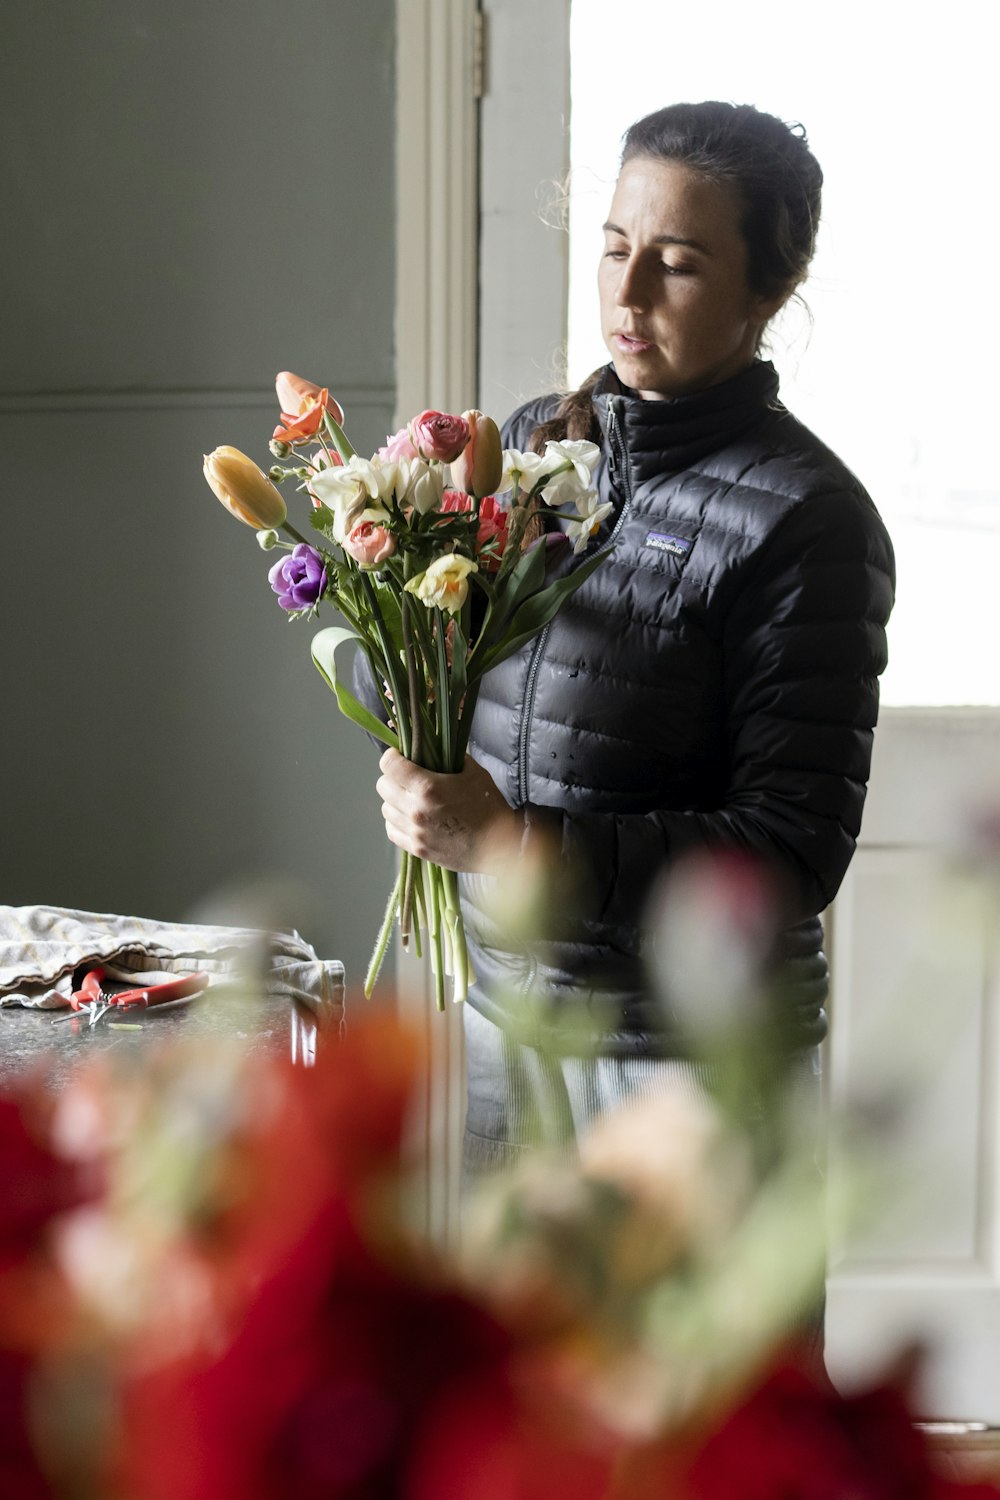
797, 1439
38, 1186
491, 536
36, 1311
322, 1393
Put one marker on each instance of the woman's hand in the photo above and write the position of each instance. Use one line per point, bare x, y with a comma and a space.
459, 820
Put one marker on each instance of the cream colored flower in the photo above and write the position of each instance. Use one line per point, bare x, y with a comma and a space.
444, 585
520, 470
245, 492
421, 484
684, 1179
580, 455
346, 490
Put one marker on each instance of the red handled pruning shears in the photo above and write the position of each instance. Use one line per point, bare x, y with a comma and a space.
95, 1001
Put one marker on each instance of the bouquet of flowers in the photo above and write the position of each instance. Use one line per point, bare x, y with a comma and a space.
433, 565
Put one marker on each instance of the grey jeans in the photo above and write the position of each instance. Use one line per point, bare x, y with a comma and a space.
519, 1097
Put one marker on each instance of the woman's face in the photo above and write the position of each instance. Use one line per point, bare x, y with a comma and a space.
677, 314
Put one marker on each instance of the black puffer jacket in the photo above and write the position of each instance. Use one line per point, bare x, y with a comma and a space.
713, 683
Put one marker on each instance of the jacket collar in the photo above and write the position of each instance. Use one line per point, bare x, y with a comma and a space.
670, 435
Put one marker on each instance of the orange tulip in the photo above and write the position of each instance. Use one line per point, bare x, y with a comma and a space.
296, 396
243, 489
303, 427
477, 469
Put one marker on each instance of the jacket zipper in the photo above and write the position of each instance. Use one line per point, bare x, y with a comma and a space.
529, 701
619, 469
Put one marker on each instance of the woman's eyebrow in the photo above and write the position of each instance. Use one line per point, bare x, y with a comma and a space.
661, 239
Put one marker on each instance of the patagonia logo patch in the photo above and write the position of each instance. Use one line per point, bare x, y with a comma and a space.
665, 541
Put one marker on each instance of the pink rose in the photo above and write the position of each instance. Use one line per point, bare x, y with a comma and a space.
436, 435
398, 446
369, 541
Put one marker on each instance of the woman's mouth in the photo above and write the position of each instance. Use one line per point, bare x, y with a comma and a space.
631, 345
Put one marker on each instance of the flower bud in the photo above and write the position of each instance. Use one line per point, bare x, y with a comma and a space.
267, 539
477, 469
243, 489
279, 449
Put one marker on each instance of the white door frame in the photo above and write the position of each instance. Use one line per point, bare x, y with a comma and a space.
437, 192
438, 83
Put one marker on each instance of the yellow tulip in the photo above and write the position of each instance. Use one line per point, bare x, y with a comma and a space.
243, 489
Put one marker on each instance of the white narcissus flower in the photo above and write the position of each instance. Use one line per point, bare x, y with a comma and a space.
581, 531
579, 454
444, 584
421, 484
520, 470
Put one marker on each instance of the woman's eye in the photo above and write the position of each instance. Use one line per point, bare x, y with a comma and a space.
615, 254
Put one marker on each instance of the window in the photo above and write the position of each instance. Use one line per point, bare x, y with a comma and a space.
896, 370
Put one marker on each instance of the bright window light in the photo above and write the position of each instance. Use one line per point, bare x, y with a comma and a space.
897, 371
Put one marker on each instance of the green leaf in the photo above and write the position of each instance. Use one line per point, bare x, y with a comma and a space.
524, 578
536, 612
321, 518
324, 651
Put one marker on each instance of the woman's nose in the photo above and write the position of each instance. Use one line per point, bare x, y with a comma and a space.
631, 288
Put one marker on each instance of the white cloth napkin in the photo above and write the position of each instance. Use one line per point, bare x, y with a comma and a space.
42, 946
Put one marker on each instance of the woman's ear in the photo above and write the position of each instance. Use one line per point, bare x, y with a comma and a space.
765, 308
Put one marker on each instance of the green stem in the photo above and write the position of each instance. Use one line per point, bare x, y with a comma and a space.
406, 902
436, 933
416, 741
456, 933
382, 941
418, 906
443, 686
391, 666
412, 681
287, 526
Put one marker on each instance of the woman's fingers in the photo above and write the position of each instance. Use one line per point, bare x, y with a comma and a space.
446, 818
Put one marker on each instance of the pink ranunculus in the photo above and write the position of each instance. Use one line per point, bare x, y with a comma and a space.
370, 542
438, 436
398, 445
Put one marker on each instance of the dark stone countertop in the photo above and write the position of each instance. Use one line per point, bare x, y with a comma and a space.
30, 1039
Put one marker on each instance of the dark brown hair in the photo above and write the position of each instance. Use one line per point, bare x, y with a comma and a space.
768, 164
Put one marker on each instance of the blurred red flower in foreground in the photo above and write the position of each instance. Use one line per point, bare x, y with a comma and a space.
795, 1438
35, 1306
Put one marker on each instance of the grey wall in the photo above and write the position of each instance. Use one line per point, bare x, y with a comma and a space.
195, 195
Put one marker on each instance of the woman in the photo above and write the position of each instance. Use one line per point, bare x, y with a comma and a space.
713, 684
